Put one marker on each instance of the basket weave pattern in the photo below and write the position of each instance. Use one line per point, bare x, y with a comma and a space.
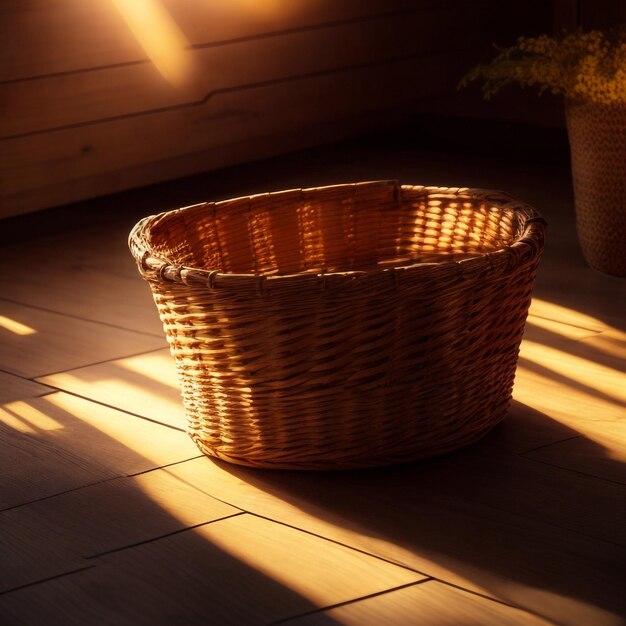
597, 136
345, 326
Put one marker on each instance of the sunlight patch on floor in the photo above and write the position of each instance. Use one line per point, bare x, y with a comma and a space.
555, 312
14, 422
336, 573
141, 438
559, 328
611, 383
221, 483
107, 384
157, 366
25, 418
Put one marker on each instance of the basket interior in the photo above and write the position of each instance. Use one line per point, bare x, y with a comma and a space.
332, 229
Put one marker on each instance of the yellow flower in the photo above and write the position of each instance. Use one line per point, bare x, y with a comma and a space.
580, 65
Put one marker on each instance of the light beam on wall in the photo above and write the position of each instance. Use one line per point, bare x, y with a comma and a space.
15, 327
159, 36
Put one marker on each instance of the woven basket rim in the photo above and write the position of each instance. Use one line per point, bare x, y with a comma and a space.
523, 249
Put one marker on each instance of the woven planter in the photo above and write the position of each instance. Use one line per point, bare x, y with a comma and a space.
597, 136
345, 326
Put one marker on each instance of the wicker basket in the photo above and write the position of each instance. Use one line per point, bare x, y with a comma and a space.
345, 326
597, 137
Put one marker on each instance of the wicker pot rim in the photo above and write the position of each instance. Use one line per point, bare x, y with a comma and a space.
523, 249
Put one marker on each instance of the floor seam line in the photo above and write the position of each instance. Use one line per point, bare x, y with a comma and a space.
37, 377
308, 532
79, 317
351, 601
154, 539
163, 467
492, 599
48, 579
339, 543
116, 408
550, 319
579, 472
61, 493
547, 445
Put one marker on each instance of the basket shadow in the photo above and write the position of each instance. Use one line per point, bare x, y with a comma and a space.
94, 531
484, 518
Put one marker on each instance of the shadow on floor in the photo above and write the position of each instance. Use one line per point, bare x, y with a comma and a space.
548, 540
66, 557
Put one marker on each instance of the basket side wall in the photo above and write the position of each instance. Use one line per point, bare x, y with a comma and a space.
374, 373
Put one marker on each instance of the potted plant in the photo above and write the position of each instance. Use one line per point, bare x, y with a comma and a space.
589, 70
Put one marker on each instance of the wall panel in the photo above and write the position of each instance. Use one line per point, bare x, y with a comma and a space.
43, 37
131, 89
84, 112
65, 163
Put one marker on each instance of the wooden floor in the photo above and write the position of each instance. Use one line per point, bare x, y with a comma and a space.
109, 514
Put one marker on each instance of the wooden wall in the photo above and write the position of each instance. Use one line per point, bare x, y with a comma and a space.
84, 111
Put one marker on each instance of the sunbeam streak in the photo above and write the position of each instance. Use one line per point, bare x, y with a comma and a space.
159, 36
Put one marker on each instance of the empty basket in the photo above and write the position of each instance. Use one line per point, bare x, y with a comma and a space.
345, 326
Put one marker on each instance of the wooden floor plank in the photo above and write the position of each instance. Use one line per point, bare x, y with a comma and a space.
570, 384
55, 535
603, 455
18, 388
60, 442
578, 405
426, 604
571, 381
484, 476
611, 343
571, 322
567, 281
26, 558
34, 469
87, 273
241, 570
535, 324
578, 352
119, 513
526, 428
146, 385
49, 342
477, 537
